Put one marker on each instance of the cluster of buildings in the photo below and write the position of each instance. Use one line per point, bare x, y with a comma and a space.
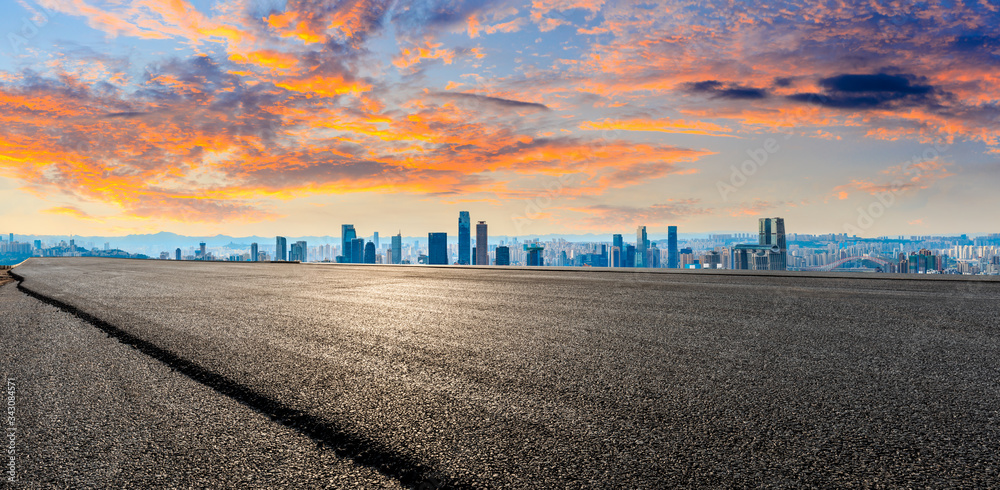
771, 248
13, 251
475, 249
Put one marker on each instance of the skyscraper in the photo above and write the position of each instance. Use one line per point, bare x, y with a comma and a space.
482, 244
177, 254
616, 241
502, 255
347, 235
653, 256
535, 255
357, 251
671, 247
253, 252
397, 248
437, 248
464, 238
303, 251
641, 245
370, 253
376, 240
201, 247
769, 253
280, 248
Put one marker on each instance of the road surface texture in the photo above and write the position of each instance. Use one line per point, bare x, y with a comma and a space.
93, 413
479, 377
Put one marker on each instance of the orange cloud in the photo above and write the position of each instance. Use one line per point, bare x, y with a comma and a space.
71, 211
429, 51
660, 125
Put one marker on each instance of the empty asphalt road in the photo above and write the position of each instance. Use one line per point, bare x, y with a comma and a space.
478, 377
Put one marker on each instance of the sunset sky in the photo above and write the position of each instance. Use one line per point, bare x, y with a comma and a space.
551, 116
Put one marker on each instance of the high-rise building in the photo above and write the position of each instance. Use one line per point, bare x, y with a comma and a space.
397, 248
357, 251
347, 254
616, 257
474, 255
177, 254
253, 252
11, 238
482, 244
616, 241
502, 255
347, 236
280, 248
375, 240
641, 245
628, 258
535, 255
464, 238
672, 262
437, 248
201, 248
769, 253
653, 257
370, 253
303, 251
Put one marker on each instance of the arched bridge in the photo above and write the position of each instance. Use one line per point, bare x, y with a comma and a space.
880, 263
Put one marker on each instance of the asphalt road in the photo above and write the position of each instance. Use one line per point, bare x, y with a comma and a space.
539, 378
90, 412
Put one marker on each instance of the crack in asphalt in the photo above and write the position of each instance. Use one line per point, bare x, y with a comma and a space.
359, 449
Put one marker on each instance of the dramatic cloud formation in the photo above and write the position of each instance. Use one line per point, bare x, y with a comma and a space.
231, 114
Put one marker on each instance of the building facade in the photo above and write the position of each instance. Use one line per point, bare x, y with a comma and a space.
641, 245
347, 236
464, 238
672, 261
397, 248
280, 248
482, 244
502, 255
437, 248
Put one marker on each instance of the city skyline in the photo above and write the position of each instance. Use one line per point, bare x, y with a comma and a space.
565, 117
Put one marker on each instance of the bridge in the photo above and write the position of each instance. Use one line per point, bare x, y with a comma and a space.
878, 262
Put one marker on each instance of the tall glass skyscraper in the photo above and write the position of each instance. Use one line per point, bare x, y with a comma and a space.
641, 244
280, 248
397, 248
464, 238
616, 241
347, 236
672, 261
370, 253
437, 248
253, 252
357, 251
482, 244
